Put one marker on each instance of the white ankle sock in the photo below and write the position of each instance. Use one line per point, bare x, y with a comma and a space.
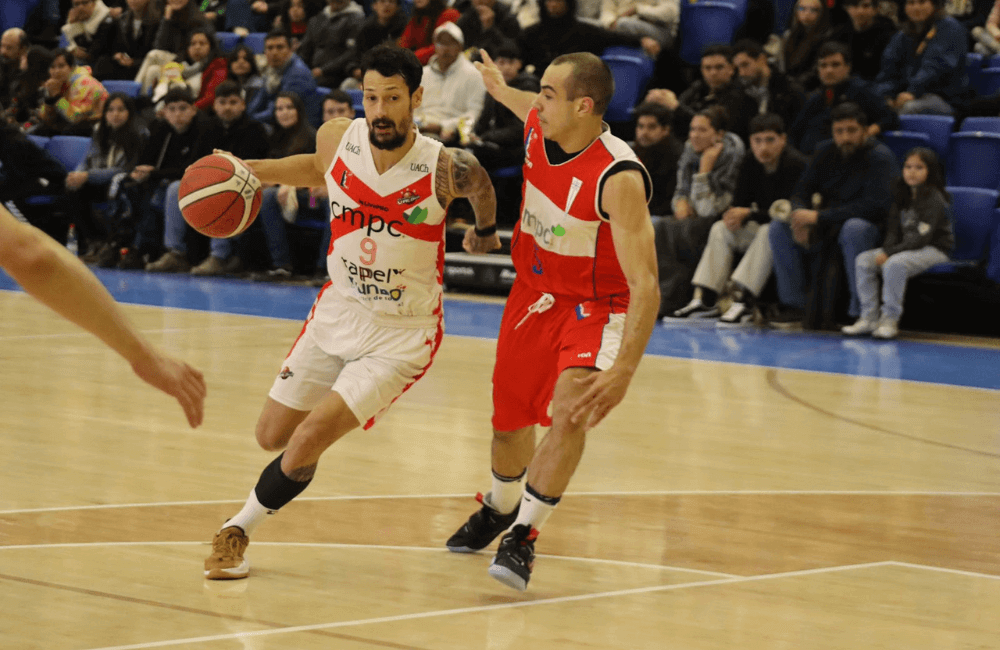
534, 512
250, 516
506, 492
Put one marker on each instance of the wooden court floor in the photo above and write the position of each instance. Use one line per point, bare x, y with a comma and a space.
720, 507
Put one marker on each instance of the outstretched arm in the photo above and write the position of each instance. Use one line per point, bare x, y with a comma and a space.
59, 280
518, 101
624, 199
461, 175
304, 170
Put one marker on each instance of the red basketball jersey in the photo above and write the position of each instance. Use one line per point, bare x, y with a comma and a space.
562, 243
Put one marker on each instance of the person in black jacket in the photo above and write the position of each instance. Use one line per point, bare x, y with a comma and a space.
27, 171
386, 23
120, 56
659, 151
488, 24
329, 41
867, 34
773, 90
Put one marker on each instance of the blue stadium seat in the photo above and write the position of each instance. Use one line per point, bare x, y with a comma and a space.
255, 41
973, 220
706, 23
130, 88
900, 142
972, 160
227, 40
356, 100
937, 127
14, 13
993, 266
39, 140
631, 74
974, 68
989, 82
984, 124
70, 150
314, 106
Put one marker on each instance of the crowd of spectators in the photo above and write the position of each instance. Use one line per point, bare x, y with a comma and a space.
768, 149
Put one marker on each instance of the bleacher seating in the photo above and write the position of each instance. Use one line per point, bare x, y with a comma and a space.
356, 101
974, 222
39, 140
937, 127
993, 264
979, 147
989, 82
632, 71
901, 142
706, 23
255, 41
70, 150
984, 124
228, 40
974, 68
130, 88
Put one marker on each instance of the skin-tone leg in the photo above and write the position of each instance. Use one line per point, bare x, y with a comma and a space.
560, 451
512, 450
304, 435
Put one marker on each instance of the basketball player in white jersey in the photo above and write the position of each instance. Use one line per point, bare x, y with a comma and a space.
581, 310
375, 327
59, 280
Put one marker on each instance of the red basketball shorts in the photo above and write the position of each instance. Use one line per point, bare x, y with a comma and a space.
540, 336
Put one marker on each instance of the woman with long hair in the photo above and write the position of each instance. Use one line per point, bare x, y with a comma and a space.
918, 236
923, 68
205, 67
242, 68
808, 28
180, 19
114, 149
27, 91
427, 16
73, 98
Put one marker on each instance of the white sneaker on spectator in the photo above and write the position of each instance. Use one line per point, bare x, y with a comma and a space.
887, 329
697, 309
860, 328
737, 314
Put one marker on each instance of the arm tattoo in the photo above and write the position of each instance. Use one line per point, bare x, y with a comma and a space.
303, 474
460, 174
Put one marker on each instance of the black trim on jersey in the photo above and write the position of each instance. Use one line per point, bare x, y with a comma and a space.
618, 167
556, 155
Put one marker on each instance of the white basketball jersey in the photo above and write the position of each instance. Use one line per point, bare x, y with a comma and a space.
387, 244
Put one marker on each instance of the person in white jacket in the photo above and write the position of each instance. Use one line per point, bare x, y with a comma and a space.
84, 24
656, 19
454, 93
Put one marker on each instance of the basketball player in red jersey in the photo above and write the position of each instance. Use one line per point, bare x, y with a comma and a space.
57, 279
375, 327
581, 310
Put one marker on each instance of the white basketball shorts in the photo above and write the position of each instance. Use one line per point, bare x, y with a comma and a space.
368, 365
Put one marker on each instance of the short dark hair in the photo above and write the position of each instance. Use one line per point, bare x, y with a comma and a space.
848, 111
228, 88
509, 50
716, 115
390, 60
767, 122
339, 96
178, 94
278, 33
746, 46
830, 48
663, 115
719, 49
590, 77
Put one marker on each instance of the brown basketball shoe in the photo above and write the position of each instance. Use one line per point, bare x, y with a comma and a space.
226, 561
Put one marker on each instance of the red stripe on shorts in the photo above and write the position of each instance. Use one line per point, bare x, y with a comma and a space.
312, 312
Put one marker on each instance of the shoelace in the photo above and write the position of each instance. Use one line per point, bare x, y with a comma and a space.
542, 304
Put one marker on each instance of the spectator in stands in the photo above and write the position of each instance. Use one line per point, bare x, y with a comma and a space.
73, 99
134, 33
840, 203
497, 140
242, 68
706, 179
285, 72
205, 67
453, 90
560, 32
769, 175
773, 90
923, 69
246, 16
214, 12
427, 16
386, 23
338, 104
657, 19
88, 22
114, 151
175, 141
180, 18
329, 42
866, 35
918, 236
27, 170
970, 13
987, 35
659, 151
229, 130
13, 47
719, 86
488, 24
837, 86
294, 19
808, 30
29, 87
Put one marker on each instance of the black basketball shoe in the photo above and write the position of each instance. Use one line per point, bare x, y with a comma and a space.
515, 557
482, 528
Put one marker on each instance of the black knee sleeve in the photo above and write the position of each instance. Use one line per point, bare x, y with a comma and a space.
274, 489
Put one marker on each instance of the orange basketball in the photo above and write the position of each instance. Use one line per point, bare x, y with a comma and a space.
219, 196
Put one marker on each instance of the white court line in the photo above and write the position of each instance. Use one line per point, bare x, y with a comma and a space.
622, 493
488, 608
164, 330
377, 547
941, 569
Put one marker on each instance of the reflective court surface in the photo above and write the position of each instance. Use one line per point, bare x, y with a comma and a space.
754, 490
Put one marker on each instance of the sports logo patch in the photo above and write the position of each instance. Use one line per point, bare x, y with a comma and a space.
286, 372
